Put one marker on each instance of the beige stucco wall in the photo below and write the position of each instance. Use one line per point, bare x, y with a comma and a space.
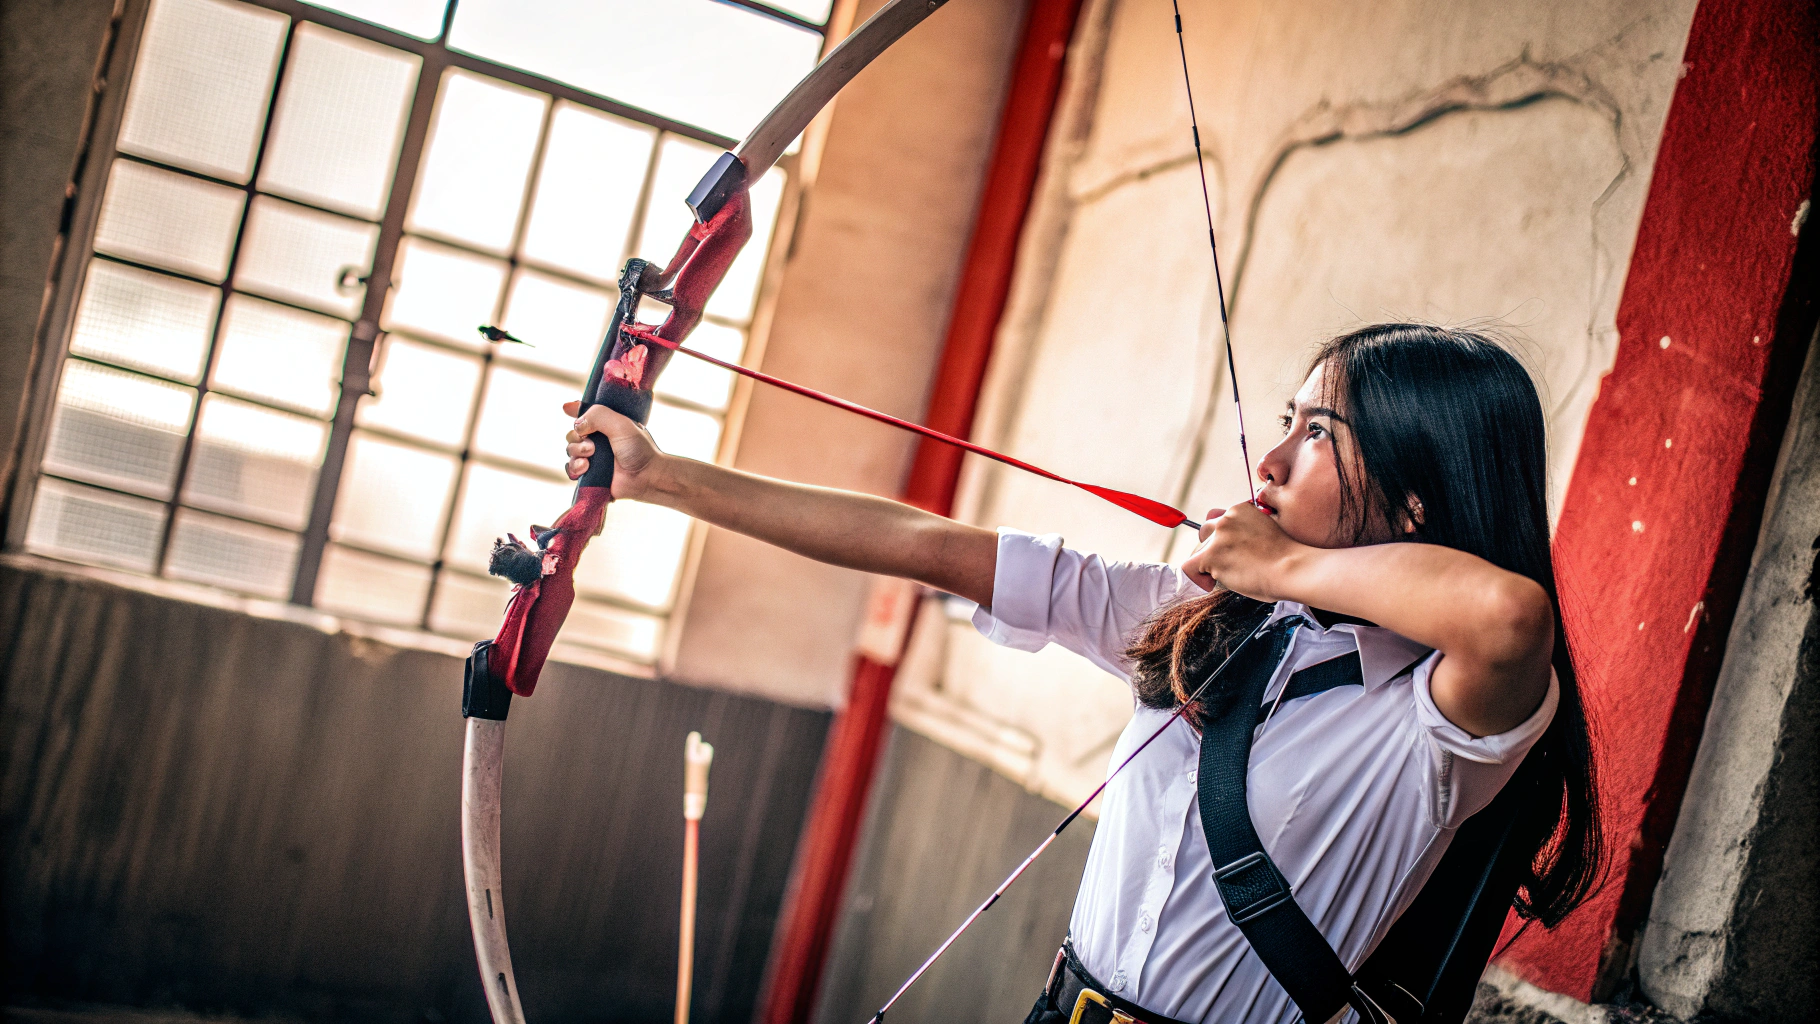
1427, 159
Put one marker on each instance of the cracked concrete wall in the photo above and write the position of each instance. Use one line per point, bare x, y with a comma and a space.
1446, 161
48, 57
1734, 928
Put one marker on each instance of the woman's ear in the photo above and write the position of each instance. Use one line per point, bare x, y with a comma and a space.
1414, 515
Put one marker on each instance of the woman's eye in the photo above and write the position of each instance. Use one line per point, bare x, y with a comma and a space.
1316, 430
1286, 420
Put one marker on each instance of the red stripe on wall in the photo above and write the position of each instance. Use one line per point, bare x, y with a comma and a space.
1662, 513
850, 758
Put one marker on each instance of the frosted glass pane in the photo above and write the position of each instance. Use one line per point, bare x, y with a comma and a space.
119, 429
581, 215
480, 150
201, 84
638, 556
420, 18
617, 630
282, 355
709, 64
562, 323
298, 254
169, 220
680, 164
444, 292
339, 122
237, 556
422, 391
87, 525
521, 418
392, 497
370, 587
144, 320
495, 502
703, 383
737, 291
808, 10
684, 432
469, 605
254, 463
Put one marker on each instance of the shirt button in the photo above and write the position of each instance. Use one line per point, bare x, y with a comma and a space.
1163, 859
1118, 981
1144, 923
1193, 773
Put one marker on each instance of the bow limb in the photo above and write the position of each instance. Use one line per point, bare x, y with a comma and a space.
623, 375
481, 765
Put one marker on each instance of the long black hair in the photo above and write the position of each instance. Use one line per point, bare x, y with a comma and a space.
1448, 418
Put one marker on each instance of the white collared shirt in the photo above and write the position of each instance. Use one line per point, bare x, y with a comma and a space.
1354, 792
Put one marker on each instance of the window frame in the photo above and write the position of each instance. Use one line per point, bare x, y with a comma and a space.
77, 251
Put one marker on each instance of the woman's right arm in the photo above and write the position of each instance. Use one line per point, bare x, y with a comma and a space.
857, 531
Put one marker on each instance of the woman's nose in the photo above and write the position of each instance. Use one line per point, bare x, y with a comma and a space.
1273, 468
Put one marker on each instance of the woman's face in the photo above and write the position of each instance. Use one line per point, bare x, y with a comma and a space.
1301, 475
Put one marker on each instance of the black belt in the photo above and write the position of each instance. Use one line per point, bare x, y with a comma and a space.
1078, 998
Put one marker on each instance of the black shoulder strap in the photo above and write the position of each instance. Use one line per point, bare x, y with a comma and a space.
1257, 897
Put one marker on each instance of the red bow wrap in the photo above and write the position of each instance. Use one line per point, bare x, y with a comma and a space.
630, 367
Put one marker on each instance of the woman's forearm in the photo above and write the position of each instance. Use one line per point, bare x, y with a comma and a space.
857, 531
1443, 598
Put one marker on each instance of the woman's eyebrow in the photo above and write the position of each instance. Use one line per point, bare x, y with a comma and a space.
1316, 410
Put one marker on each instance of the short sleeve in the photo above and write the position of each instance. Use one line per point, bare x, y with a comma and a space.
1044, 592
1470, 770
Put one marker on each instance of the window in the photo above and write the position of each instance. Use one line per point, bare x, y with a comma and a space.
268, 168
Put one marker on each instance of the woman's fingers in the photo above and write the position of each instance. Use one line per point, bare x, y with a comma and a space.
601, 420
1207, 521
576, 468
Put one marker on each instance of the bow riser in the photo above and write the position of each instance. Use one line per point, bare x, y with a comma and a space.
624, 372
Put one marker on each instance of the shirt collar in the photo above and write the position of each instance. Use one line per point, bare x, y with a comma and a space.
1383, 654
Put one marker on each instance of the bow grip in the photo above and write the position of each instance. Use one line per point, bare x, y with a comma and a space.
627, 367
612, 392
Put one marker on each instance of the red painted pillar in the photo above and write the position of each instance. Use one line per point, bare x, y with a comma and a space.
850, 757
1662, 513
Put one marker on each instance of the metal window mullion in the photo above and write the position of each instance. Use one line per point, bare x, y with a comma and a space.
446, 57
635, 231
147, 161
357, 363
152, 268
227, 290
52, 474
254, 400
486, 359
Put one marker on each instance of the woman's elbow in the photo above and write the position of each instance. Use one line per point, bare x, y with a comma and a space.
1519, 624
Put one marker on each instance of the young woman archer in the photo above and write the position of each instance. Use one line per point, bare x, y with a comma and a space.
1402, 519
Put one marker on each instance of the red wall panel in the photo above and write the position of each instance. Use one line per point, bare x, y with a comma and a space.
1662, 512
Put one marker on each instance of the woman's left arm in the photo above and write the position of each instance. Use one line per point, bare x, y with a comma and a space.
1494, 628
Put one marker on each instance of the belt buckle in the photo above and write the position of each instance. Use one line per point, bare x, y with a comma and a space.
1080, 1007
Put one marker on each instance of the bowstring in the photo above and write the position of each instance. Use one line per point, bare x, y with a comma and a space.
1250, 484
1219, 284
1181, 709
